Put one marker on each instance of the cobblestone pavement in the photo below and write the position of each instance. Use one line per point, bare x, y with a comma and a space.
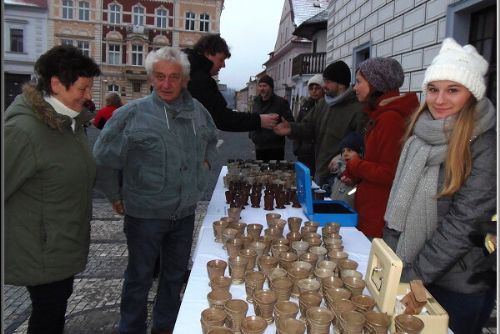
94, 306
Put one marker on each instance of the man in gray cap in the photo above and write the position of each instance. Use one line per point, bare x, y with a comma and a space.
333, 117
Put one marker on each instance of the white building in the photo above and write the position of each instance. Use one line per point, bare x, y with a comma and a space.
411, 32
288, 46
24, 40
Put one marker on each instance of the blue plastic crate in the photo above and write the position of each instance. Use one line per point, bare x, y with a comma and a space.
321, 211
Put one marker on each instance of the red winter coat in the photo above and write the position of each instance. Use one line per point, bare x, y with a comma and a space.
102, 116
383, 143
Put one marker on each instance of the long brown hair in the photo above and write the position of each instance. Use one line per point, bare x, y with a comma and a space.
458, 162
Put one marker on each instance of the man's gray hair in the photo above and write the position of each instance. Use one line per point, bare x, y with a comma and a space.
169, 54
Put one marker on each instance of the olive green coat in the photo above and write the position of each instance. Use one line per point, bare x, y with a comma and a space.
49, 174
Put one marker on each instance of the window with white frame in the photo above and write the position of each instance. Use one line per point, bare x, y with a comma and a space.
137, 54
84, 46
115, 13
66, 41
113, 88
190, 18
161, 18
204, 22
16, 40
83, 11
114, 54
138, 16
67, 9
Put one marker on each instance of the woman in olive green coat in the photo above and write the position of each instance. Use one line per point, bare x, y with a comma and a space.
49, 174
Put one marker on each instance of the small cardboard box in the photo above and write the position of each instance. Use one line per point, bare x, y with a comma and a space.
383, 275
321, 211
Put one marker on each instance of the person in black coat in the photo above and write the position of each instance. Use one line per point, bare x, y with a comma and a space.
207, 57
268, 145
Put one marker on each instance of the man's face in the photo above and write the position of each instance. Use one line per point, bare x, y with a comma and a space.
315, 91
265, 91
331, 88
168, 80
219, 60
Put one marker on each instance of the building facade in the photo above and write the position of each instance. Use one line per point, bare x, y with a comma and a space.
24, 40
118, 35
288, 46
410, 31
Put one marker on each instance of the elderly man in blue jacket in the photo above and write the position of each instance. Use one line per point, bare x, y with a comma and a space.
153, 156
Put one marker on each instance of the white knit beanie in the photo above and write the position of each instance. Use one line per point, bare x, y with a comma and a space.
316, 79
460, 64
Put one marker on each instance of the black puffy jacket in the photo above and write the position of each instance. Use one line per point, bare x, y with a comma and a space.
204, 88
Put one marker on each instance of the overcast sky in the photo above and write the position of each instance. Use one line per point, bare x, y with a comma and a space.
249, 28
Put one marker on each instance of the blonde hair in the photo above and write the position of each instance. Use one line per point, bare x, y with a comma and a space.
458, 161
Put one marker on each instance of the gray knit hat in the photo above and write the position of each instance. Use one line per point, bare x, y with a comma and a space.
384, 74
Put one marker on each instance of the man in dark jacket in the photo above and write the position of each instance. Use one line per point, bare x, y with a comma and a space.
331, 120
207, 57
268, 145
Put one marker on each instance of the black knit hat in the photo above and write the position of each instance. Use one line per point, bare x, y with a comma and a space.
338, 72
352, 140
268, 80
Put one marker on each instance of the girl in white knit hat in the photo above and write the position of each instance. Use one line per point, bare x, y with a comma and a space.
445, 184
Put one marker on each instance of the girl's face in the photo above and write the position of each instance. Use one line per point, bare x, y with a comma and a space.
348, 154
445, 98
362, 87
315, 91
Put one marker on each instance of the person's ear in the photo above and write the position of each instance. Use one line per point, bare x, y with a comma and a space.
56, 85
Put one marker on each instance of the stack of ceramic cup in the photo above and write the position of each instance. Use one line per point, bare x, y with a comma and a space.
407, 323
236, 311
264, 301
212, 317
318, 320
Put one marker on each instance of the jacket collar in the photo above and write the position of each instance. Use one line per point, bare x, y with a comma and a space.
48, 115
198, 62
182, 107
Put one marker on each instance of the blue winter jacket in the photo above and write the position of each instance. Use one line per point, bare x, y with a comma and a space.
155, 156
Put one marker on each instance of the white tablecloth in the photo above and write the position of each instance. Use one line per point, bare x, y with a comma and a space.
195, 296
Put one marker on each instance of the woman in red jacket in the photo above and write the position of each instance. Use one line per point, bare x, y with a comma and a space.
377, 85
113, 102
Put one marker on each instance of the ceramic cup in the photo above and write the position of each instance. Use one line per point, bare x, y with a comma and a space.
218, 298
254, 280
294, 224
219, 226
319, 320
236, 310
290, 326
237, 268
251, 256
377, 323
211, 317
264, 301
308, 299
283, 287
408, 324
253, 325
216, 268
